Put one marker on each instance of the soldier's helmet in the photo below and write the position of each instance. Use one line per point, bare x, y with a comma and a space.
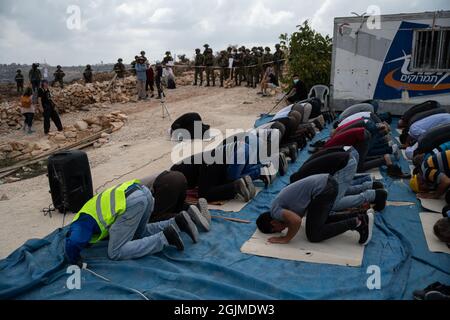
167, 53
267, 49
254, 48
206, 46
88, 66
277, 46
120, 60
229, 49
247, 50
197, 50
19, 71
210, 50
143, 53
58, 67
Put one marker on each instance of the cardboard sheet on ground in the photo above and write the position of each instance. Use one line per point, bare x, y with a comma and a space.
434, 205
428, 220
375, 173
231, 205
342, 250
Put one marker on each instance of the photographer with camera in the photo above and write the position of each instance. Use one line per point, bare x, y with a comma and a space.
48, 108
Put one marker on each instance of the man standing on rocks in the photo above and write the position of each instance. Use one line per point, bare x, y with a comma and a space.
141, 78
19, 81
87, 74
59, 76
35, 78
119, 68
49, 108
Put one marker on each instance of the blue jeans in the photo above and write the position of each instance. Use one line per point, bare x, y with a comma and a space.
131, 236
237, 170
344, 178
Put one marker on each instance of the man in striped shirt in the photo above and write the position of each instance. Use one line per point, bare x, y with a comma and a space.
434, 174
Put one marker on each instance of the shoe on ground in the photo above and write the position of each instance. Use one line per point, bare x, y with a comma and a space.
196, 216
250, 186
436, 286
377, 185
437, 295
283, 165
446, 211
293, 152
266, 177
394, 171
380, 199
242, 192
173, 238
366, 227
185, 223
396, 151
203, 207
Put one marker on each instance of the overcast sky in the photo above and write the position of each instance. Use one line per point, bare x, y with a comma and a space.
36, 30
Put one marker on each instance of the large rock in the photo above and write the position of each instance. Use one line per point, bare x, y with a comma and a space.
6, 148
81, 125
70, 134
116, 126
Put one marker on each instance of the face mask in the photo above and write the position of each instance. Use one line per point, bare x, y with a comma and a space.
296, 81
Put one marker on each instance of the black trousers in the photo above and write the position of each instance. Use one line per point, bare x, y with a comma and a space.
29, 116
149, 84
169, 191
50, 113
320, 225
158, 86
363, 149
213, 184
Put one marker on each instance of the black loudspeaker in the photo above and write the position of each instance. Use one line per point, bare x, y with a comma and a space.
70, 180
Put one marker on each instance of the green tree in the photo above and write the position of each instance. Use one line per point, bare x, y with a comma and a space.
309, 55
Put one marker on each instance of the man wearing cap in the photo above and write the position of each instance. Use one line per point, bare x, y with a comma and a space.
119, 68
141, 77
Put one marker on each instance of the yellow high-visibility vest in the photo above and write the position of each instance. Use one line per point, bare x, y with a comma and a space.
106, 207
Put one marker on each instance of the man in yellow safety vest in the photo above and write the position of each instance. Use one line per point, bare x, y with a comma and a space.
122, 214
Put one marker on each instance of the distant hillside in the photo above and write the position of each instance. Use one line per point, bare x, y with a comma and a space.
8, 71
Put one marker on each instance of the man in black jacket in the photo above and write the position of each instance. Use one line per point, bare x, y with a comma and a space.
299, 92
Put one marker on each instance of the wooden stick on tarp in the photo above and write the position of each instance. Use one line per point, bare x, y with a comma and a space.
231, 219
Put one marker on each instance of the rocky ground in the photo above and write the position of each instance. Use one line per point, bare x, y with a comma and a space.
142, 141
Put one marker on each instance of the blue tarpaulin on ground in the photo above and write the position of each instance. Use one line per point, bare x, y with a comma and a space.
216, 269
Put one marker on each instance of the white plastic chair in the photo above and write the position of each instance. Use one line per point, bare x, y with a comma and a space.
321, 92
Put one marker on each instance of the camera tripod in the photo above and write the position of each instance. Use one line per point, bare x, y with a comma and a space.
165, 111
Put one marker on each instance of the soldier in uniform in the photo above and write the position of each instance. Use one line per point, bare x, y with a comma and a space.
239, 71
267, 58
209, 66
278, 62
35, 78
144, 57
87, 74
246, 64
206, 46
167, 58
253, 61
223, 64
59, 76
243, 71
119, 68
260, 66
133, 65
19, 80
228, 71
199, 62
